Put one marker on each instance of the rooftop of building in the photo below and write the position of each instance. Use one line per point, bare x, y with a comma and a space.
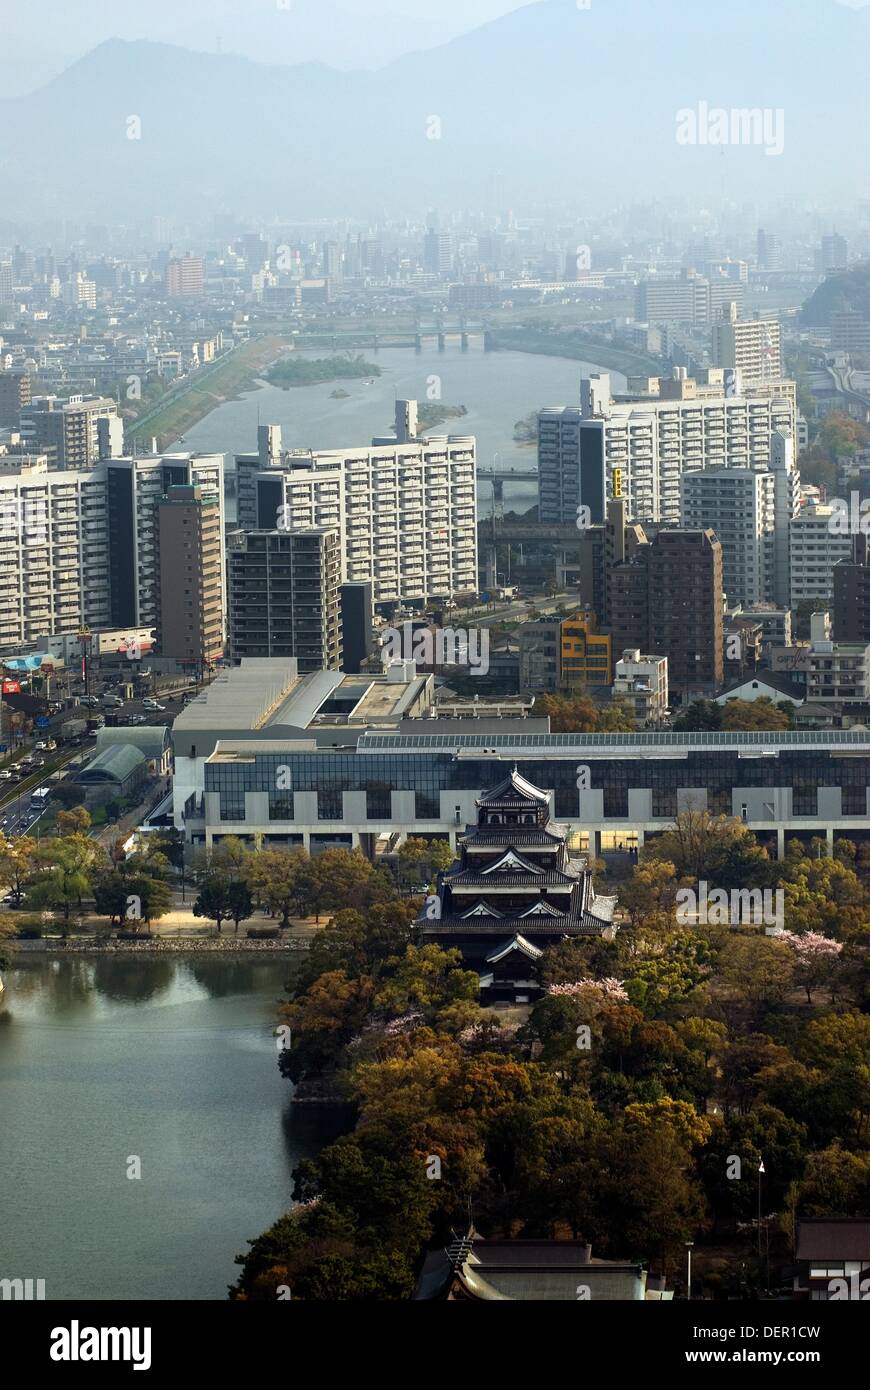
267, 695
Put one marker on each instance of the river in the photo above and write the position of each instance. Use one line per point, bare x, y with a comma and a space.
497, 388
169, 1059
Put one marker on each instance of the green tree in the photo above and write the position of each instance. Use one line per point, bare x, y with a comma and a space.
274, 877
70, 864
214, 900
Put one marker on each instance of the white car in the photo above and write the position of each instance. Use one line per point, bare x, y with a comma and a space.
153, 704
5, 774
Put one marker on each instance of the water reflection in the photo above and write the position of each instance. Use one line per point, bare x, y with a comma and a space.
171, 1059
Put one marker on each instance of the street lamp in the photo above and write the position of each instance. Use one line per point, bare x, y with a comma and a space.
760, 1176
689, 1244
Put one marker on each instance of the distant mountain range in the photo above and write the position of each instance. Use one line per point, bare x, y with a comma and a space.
552, 103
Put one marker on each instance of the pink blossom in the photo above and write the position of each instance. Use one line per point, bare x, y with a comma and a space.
606, 989
811, 946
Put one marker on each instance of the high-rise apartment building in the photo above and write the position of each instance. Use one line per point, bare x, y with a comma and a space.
134, 488
851, 618
405, 512
834, 253
54, 552
816, 547
438, 252
738, 504
750, 510
638, 446
191, 592
682, 300
80, 290
668, 598
68, 431
752, 347
769, 251
283, 596
81, 547
14, 396
850, 331
185, 275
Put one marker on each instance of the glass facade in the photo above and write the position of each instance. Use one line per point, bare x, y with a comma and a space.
428, 773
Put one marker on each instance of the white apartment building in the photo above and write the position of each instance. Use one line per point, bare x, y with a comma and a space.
641, 682
815, 547
638, 447
752, 347
750, 511
738, 503
838, 671
405, 510
78, 547
54, 553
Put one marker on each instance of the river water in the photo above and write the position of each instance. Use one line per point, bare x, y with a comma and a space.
497, 388
168, 1059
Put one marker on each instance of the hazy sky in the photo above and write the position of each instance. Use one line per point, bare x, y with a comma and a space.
41, 37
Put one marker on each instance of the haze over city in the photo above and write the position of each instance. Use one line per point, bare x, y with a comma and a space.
434, 675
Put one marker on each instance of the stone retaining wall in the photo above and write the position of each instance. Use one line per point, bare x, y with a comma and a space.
178, 945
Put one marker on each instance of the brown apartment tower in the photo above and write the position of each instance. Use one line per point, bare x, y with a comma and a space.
852, 594
665, 595
191, 626
14, 396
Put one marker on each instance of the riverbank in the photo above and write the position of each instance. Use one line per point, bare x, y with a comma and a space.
227, 945
205, 390
162, 945
575, 345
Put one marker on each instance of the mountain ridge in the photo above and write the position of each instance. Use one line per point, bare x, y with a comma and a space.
546, 103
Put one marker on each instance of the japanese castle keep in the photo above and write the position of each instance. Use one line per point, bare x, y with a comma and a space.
514, 891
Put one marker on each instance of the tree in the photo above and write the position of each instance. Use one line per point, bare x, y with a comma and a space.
323, 1021
816, 959
702, 716
75, 820
652, 888
338, 878
756, 968
834, 1183
71, 862
755, 714
426, 978
433, 856
17, 861
110, 896
240, 902
702, 845
275, 878
8, 931
214, 899
577, 714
